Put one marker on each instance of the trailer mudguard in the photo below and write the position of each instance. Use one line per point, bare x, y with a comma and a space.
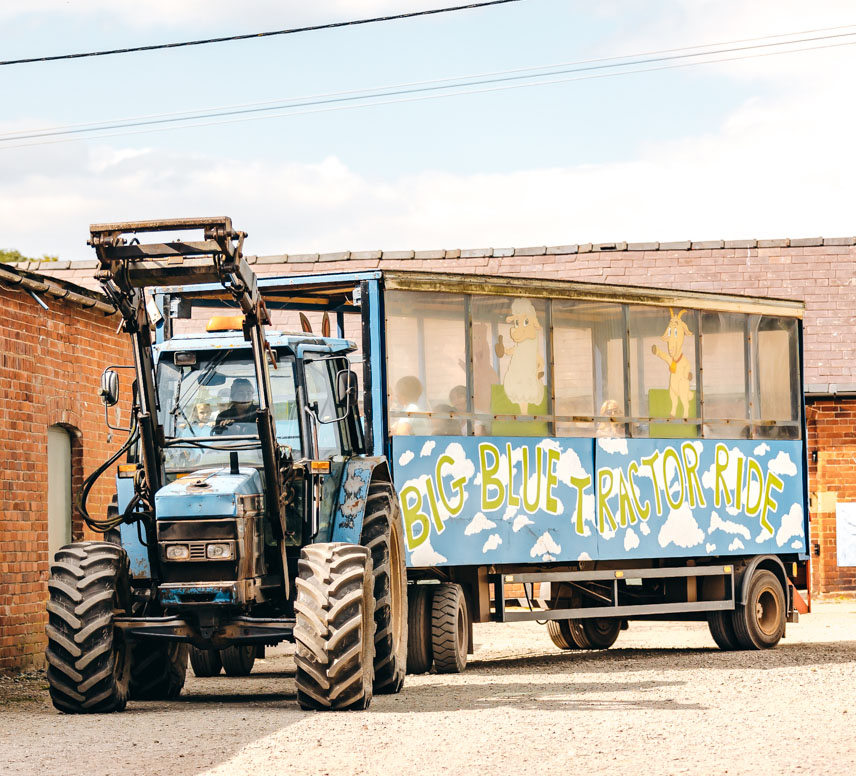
770, 562
347, 524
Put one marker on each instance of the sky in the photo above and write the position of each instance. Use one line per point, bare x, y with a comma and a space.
752, 148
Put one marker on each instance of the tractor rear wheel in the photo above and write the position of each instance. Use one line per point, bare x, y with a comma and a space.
238, 660
335, 627
158, 671
89, 662
449, 628
420, 656
383, 537
205, 662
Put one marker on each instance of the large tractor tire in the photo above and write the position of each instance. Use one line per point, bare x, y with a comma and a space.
721, 627
335, 627
158, 671
420, 656
449, 628
89, 663
383, 537
238, 660
561, 634
760, 624
205, 662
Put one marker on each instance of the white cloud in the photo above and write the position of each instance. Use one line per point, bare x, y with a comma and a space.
709, 548
644, 528
736, 545
583, 556
680, 529
425, 555
427, 448
493, 541
631, 540
762, 449
545, 544
718, 524
796, 544
763, 536
792, 525
405, 458
783, 465
478, 524
610, 445
520, 521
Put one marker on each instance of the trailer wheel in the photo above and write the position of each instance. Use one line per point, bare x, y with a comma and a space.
335, 627
722, 629
760, 624
449, 628
158, 671
561, 634
89, 662
597, 632
238, 659
383, 537
420, 656
205, 662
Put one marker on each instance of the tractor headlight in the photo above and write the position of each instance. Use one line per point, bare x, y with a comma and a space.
177, 552
218, 551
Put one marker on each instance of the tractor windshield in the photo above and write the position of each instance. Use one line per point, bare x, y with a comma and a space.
210, 399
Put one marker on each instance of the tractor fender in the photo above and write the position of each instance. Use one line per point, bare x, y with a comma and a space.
353, 495
770, 562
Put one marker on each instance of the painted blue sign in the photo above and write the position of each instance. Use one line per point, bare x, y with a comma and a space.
478, 500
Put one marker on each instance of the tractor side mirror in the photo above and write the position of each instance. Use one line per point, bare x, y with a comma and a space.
109, 392
346, 387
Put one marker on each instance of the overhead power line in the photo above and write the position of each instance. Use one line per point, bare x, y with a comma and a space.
437, 88
253, 35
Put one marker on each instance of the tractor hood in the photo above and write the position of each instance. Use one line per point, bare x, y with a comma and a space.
207, 493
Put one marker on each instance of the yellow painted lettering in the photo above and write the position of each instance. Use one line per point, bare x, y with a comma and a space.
754, 470
435, 511
513, 500
770, 505
580, 483
738, 491
604, 491
671, 454
721, 464
457, 486
489, 479
528, 476
645, 511
551, 503
650, 462
626, 513
413, 518
694, 489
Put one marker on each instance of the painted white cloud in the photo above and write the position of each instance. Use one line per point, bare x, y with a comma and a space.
583, 556
520, 521
796, 544
405, 458
736, 545
762, 449
644, 528
631, 540
493, 541
478, 524
763, 536
729, 526
783, 465
427, 448
426, 555
680, 529
610, 445
545, 544
792, 525
709, 548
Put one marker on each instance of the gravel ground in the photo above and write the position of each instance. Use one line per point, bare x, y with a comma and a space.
663, 700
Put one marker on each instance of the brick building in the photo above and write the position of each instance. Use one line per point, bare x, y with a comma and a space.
821, 272
51, 432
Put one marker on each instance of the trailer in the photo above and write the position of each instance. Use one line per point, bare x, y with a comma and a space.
576, 453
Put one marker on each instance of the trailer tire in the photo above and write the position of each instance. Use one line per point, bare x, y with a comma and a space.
760, 623
721, 628
158, 671
89, 662
561, 634
597, 632
205, 662
449, 628
420, 656
334, 631
238, 659
383, 536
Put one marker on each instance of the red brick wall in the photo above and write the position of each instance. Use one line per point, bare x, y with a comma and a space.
832, 478
50, 368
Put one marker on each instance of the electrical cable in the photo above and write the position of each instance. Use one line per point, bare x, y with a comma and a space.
419, 97
253, 35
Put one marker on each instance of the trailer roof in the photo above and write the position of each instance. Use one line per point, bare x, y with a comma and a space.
334, 291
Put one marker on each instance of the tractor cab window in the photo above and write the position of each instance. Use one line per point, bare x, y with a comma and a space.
321, 399
210, 399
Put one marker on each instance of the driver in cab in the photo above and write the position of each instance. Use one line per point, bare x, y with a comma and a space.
241, 409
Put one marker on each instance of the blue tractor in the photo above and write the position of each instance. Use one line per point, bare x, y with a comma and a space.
247, 511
